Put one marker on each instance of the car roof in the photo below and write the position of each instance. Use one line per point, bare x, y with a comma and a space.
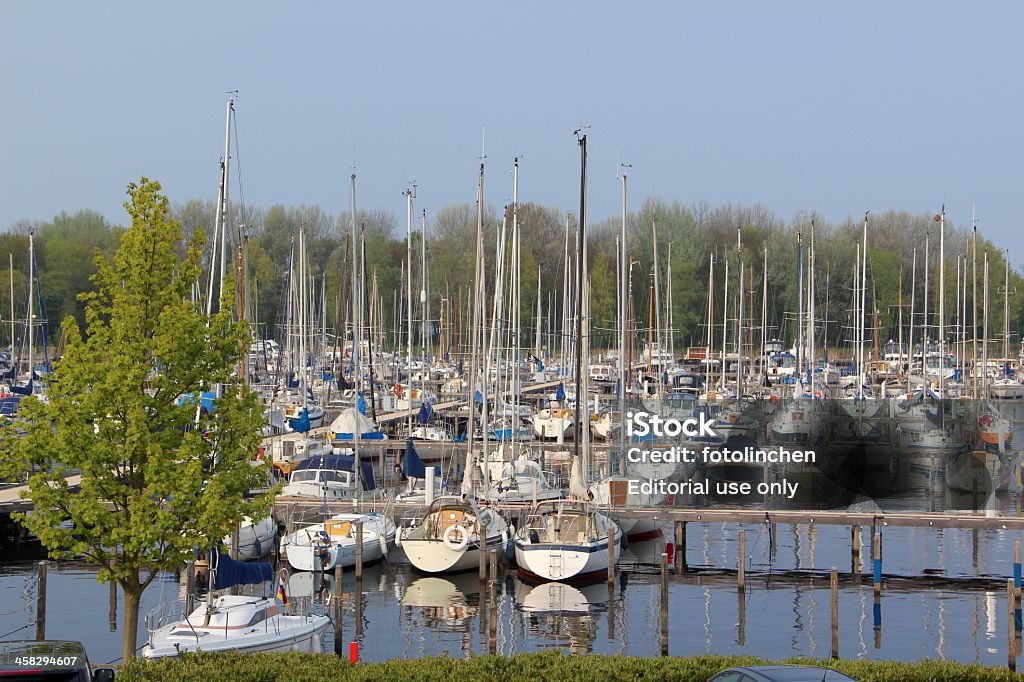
794, 673
57, 647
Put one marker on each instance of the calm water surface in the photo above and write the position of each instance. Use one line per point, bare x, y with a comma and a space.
403, 614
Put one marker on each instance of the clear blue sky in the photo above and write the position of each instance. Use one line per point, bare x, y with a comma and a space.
838, 107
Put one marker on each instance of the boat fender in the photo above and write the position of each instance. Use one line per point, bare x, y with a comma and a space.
456, 537
623, 541
383, 537
398, 536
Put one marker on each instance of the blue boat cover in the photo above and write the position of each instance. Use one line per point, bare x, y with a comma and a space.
340, 463
230, 573
412, 465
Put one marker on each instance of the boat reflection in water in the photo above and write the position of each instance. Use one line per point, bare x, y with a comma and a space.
446, 602
561, 614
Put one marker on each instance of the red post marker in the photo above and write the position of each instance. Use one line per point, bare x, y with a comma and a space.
353, 652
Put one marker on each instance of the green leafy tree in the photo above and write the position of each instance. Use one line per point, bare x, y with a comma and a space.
157, 482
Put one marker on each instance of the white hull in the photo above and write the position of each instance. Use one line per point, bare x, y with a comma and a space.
563, 562
255, 540
231, 627
324, 546
435, 545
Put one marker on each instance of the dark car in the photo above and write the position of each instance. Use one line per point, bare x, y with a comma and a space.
781, 673
49, 661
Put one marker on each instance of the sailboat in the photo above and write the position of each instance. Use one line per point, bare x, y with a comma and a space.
324, 546
451, 534
568, 540
234, 622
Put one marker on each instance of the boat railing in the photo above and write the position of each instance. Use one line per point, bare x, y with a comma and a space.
165, 614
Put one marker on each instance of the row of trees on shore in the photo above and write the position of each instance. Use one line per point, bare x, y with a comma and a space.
688, 235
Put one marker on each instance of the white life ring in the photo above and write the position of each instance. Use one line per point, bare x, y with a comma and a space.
459, 542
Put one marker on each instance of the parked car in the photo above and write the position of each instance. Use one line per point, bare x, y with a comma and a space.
781, 673
50, 661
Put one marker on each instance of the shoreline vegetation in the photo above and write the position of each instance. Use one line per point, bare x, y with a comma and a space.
697, 233
298, 667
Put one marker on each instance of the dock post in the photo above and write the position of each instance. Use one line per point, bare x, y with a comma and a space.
483, 606
112, 608
611, 612
1016, 587
741, 623
741, 563
680, 546
611, 554
41, 601
483, 557
834, 584
357, 595
492, 607
876, 612
876, 557
339, 572
494, 564
1011, 635
664, 604
359, 550
855, 546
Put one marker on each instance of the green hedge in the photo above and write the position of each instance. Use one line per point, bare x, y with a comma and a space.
549, 666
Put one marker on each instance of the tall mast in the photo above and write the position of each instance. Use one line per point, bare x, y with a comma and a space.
974, 306
863, 303
913, 300
1006, 311
581, 411
475, 303
764, 316
357, 323
624, 369
30, 321
942, 298
409, 195
739, 315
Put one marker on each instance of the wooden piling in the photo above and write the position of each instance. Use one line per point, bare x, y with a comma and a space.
876, 559
492, 607
357, 595
494, 564
1011, 635
855, 546
483, 561
680, 544
877, 617
359, 550
41, 601
112, 607
834, 584
664, 604
741, 562
190, 586
611, 612
741, 624
612, 553
339, 643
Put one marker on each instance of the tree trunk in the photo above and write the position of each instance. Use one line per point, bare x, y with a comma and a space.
130, 629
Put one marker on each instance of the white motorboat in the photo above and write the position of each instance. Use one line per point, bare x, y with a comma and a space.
329, 477
564, 540
238, 623
234, 622
323, 546
447, 538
